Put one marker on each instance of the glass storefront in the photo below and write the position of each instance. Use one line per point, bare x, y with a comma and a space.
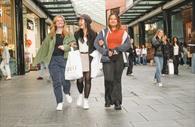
31, 36
7, 31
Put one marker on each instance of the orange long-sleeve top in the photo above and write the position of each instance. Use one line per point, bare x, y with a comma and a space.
114, 38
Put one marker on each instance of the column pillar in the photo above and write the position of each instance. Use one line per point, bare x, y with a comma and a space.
141, 33
167, 23
19, 37
42, 29
130, 32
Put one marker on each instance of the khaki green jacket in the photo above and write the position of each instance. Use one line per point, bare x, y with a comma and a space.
45, 52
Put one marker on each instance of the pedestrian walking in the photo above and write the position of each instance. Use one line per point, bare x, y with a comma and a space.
4, 66
176, 54
111, 42
54, 51
166, 54
85, 37
157, 43
131, 56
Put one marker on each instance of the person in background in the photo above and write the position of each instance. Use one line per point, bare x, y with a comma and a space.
166, 54
4, 66
85, 37
185, 54
111, 42
157, 43
131, 56
54, 51
43, 72
144, 55
138, 55
176, 54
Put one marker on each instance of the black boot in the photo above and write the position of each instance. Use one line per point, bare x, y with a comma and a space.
117, 106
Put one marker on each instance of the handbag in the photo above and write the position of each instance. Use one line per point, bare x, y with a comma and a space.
171, 67
73, 68
96, 65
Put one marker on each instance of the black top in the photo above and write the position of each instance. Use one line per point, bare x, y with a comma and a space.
59, 41
158, 46
90, 39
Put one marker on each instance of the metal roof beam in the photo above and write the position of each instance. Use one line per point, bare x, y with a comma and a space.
157, 11
56, 2
53, 8
61, 12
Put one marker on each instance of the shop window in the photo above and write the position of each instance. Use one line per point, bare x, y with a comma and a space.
31, 37
115, 11
7, 34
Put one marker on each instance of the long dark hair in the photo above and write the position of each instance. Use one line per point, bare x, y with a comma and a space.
177, 42
90, 32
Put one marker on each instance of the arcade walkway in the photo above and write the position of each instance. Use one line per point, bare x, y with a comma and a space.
26, 102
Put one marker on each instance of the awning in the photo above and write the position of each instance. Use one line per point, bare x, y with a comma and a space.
57, 7
139, 8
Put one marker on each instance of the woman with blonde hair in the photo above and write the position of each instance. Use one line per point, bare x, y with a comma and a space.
54, 51
157, 43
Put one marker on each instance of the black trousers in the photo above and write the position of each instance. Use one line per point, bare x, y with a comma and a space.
130, 68
176, 64
165, 65
112, 80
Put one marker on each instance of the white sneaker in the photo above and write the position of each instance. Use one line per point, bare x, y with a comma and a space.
79, 100
59, 106
8, 78
68, 98
154, 81
160, 84
85, 103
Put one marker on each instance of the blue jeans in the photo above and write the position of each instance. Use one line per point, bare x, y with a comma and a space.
144, 60
57, 70
159, 65
193, 63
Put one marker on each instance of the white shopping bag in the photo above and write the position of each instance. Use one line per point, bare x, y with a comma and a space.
96, 65
73, 68
171, 68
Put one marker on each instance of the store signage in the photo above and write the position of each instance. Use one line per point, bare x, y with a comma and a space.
1, 12
30, 24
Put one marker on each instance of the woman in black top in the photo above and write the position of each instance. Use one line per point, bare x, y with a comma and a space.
176, 54
166, 54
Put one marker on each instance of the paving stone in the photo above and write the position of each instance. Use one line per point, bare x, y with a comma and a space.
27, 102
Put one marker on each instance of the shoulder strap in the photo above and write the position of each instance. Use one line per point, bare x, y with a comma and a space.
104, 36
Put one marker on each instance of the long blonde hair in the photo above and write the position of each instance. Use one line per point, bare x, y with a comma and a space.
53, 27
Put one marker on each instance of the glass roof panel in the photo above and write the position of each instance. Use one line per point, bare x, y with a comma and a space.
94, 8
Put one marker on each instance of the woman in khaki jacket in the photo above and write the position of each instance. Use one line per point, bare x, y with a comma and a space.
54, 52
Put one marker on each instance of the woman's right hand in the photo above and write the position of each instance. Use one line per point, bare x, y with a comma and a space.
73, 44
101, 42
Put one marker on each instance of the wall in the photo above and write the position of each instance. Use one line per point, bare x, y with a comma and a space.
97, 27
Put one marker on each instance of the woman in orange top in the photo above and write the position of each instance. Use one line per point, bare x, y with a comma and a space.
111, 42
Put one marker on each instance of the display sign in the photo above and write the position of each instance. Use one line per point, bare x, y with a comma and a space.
1, 12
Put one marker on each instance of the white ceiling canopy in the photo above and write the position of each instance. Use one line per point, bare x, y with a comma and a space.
94, 8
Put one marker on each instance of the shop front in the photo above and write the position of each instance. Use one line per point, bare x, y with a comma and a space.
31, 35
7, 31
